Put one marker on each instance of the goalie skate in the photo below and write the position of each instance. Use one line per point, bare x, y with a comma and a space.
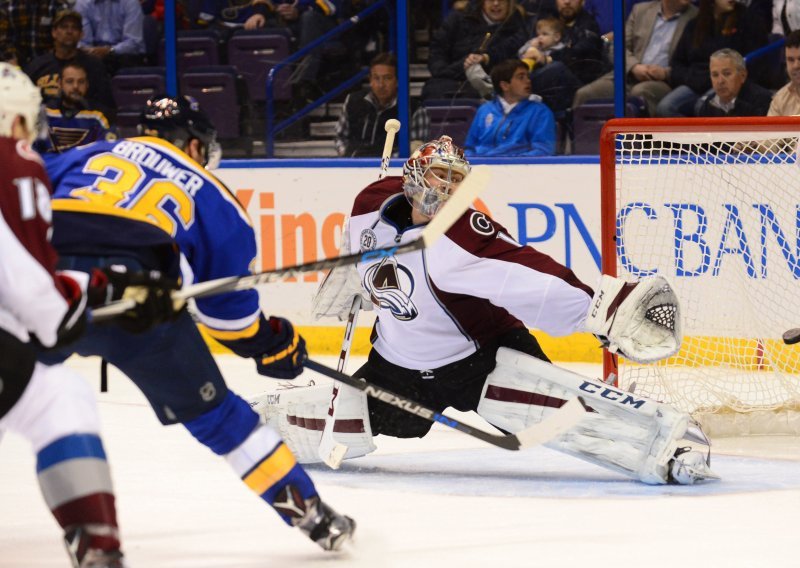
315, 519
688, 467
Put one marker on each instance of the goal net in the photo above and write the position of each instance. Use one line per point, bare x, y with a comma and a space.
713, 205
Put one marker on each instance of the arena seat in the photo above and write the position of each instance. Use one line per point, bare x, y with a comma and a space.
254, 53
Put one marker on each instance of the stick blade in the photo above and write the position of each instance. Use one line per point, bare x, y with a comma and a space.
469, 189
554, 425
334, 457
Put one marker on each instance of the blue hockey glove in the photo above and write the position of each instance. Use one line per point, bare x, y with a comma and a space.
285, 357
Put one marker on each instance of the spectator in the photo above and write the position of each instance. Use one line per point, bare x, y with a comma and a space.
25, 28
583, 51
536, 53
719, 24
512, 124
785, 16
45, 70
547, 44
580, 61
360, 130
652, 32
307, 20
233, 14
113, 31
487, 32
786, 101
733, 94
70, 119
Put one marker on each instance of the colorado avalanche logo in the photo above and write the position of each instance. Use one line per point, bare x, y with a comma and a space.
390, 286
368, 240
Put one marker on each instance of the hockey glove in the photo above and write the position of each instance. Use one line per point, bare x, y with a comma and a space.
284, 358
151, 290
639, 320
71, 285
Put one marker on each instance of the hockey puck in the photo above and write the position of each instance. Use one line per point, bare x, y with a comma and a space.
791, 336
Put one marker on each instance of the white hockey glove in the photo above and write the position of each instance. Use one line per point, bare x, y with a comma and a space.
639, 320
335, 295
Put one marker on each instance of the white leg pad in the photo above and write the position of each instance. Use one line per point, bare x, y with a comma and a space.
299, 415
626, 433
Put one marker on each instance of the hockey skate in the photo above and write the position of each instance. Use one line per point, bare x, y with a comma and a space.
77, 543
687, 467
315, 519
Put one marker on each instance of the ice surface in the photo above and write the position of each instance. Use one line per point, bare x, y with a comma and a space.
444, 500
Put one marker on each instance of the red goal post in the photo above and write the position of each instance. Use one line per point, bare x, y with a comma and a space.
713, 205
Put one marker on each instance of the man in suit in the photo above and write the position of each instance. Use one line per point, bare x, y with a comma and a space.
651, 33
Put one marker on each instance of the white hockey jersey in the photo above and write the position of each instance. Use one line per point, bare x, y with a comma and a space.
441, 304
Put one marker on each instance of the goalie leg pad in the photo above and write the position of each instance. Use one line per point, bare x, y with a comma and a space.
626, 433
299, 415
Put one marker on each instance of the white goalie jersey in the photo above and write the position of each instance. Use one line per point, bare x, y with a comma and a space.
440, 305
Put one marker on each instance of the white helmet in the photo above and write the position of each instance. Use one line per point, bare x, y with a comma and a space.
443, 154
19, 97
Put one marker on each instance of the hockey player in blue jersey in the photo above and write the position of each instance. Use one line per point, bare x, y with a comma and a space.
127, 203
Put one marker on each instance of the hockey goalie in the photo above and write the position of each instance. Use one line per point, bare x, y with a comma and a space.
452, 330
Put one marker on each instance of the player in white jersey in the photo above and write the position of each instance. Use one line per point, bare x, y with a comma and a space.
453, 327
50, 406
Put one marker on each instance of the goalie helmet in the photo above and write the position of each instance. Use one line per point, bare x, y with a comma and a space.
441, 158
178, 120
19, 97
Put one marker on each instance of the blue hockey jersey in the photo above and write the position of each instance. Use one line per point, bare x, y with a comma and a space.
151, 181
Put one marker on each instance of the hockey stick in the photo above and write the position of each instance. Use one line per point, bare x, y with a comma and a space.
392, 126
475, 182
558, 422
332, 452
791, 336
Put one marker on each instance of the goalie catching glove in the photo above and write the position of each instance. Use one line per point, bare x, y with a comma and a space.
151, 290
639, 320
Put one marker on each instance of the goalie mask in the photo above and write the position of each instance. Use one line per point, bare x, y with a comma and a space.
429, 174
178, 120
20, 97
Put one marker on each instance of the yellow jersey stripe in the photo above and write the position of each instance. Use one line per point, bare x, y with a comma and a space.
226, 335
270, 471
79, 206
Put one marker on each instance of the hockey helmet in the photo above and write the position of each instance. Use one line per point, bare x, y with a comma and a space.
19, 97
441, 159
178, 120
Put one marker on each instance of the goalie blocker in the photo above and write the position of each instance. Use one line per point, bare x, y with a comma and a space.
626, 433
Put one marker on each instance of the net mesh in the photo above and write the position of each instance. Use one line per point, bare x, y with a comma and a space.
717, 213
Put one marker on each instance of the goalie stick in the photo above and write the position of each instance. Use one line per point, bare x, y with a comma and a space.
332, 452
557, 423
453, 208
